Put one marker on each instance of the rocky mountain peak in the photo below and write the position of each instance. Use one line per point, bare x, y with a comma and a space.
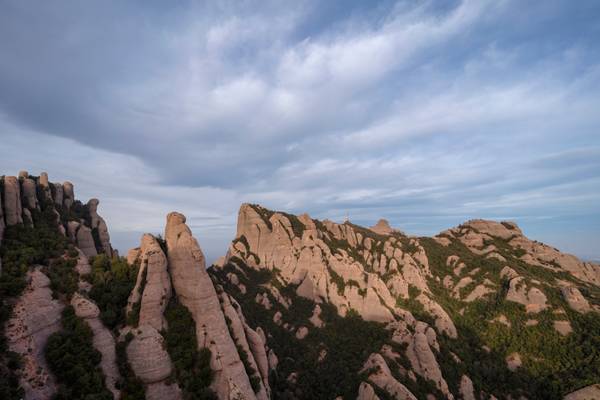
382, 227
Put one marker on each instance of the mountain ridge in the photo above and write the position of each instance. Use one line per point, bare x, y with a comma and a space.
298, 308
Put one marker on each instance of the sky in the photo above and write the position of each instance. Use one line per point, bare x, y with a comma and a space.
427, 113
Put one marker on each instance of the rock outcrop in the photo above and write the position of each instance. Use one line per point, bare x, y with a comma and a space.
195, 290
151, 363
381, 376
98, 223
85, 241
382, 227
153, 285
13, 213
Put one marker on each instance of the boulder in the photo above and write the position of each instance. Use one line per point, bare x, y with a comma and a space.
533, 299
147, 355
575, 299
12, 201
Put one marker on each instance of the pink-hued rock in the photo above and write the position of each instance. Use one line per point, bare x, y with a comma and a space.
366, 392
382, 377
382, 227
85, 241
575, 299
97, 222
29, 193
533, 299
195, 290
35, 317
157, 291
12, 201
68, 195
466, 388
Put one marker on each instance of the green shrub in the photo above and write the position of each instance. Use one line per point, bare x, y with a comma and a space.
72, 358
192, 366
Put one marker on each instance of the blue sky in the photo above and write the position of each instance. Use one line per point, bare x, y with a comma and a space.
427, 113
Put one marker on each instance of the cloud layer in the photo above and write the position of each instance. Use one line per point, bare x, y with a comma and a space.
422, 112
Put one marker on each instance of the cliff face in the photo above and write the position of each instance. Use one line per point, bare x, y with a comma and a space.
176, 273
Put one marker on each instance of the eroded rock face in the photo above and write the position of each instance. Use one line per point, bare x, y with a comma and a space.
304, 256
533, 299
85, 241
383, 378
575, 299
147, 356
29, 193
68, 195
103, 340
97, 222
12, 201
36, 316
157, 288
195, 290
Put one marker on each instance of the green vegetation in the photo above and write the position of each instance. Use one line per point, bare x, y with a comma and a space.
553, 365
348, 341
74, 361
112, 280
131, 386
63, 277
22, 247
192, 366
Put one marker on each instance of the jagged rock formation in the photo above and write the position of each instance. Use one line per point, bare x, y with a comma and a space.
21, 200
381, 376
300, 308
153, 287
195, 290
98, 223
35, 317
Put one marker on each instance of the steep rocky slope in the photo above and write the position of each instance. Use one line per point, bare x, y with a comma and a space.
477, 311
38, 277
